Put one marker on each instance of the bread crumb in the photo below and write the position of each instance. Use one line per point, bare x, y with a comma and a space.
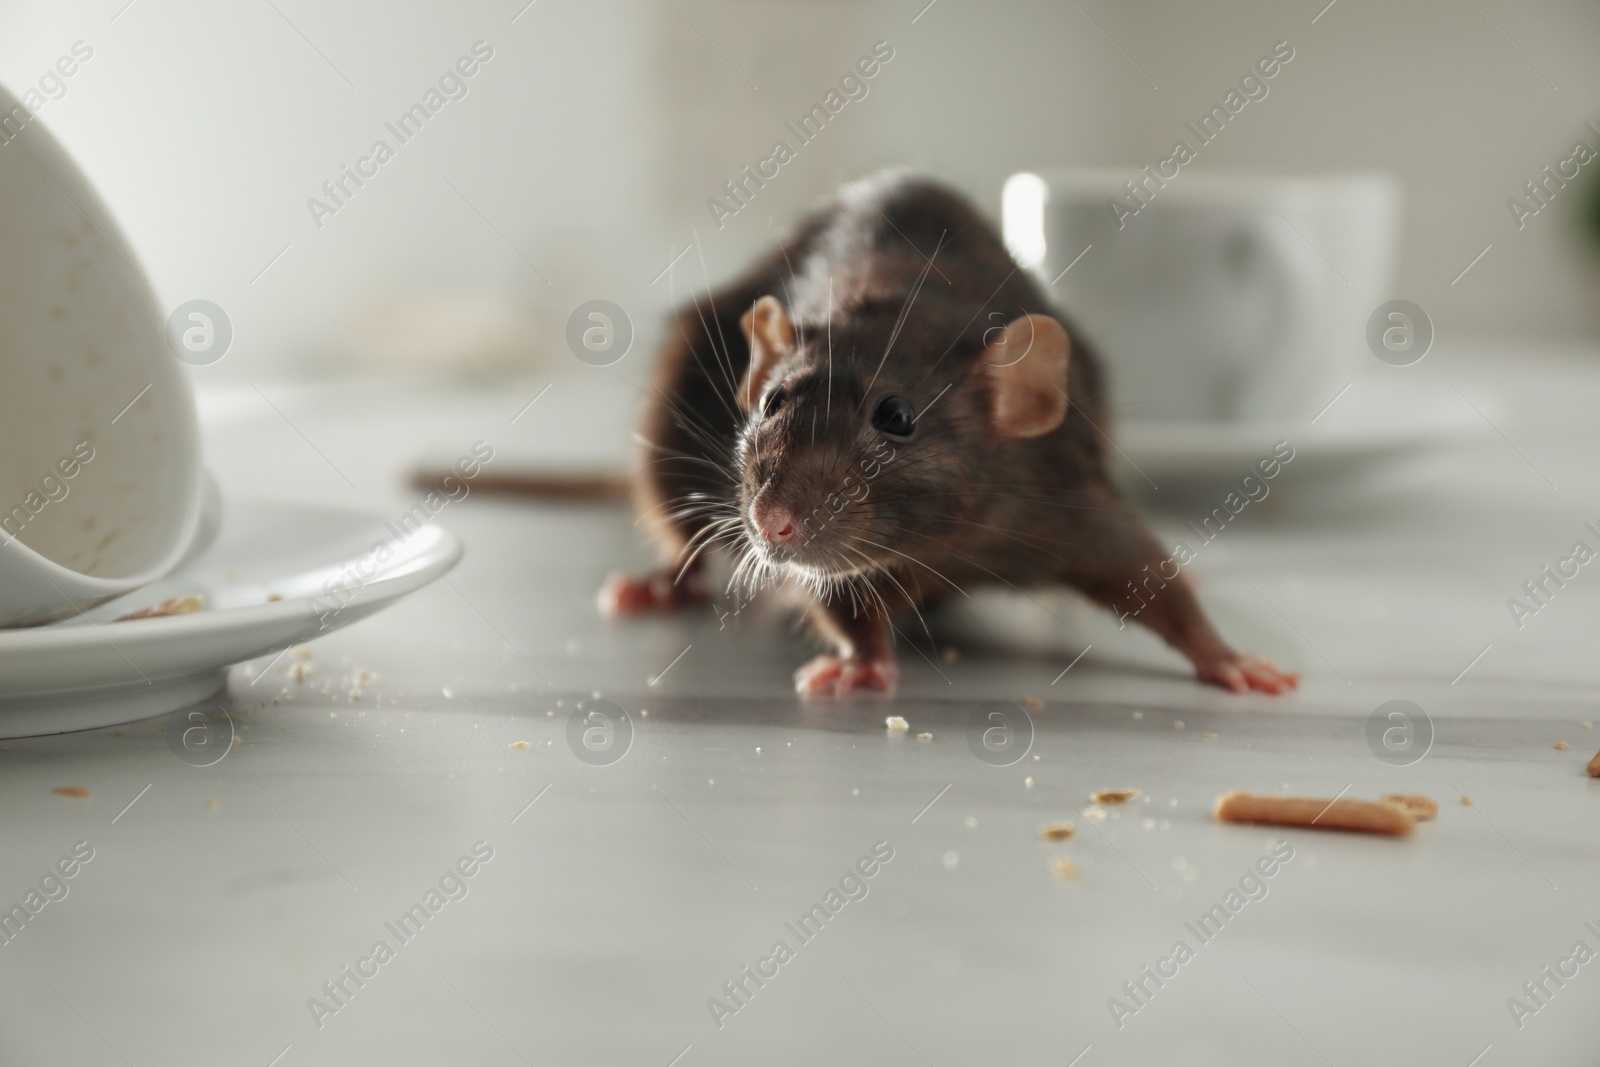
178, 605
211, 802
1095, 812
1587, 725
518, 744
301, 671
273, 598
71, 791
1115, 796
1064, 868
1466, 800
896, 724
1177, 724
1594, 766
1033, 702
1562, 746
1028, 781
303, 652
924, 737
1209, 737
1057, 831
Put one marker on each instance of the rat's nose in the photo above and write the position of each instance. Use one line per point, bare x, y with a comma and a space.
776, 523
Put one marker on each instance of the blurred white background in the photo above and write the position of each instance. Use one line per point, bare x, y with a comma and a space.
581, 160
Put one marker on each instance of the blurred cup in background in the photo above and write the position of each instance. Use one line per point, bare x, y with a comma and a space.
1222, 299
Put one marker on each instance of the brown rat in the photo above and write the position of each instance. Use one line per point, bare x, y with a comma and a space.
885, 412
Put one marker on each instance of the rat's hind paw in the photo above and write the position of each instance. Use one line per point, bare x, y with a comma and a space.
830, 676
624, 594
1242, 673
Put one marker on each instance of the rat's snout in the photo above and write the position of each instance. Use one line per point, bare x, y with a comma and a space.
775, 523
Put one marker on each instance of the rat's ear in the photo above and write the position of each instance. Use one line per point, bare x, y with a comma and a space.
771, 337
1026, 365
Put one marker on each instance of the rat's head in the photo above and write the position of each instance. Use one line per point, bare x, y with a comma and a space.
863, 449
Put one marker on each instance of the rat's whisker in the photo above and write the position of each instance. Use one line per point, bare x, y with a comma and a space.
918, 562
911, 601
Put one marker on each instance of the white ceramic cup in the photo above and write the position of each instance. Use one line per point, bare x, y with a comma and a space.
1212, 298
100, 479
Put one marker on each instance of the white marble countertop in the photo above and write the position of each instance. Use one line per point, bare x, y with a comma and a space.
620, 899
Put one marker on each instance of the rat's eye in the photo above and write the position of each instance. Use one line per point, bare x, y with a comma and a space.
894, 416
775, 401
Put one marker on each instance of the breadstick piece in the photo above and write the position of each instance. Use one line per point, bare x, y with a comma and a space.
1364, 816
1421, 808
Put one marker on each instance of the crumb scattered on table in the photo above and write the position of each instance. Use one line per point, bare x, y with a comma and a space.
524, 744
1177, 724
1208, 737
896, 724
1466, 800
924, 737
1095, 812
1115, 796
1028, 781
1057, 831
1033, 702
1562, 746
71, 791
1064, 868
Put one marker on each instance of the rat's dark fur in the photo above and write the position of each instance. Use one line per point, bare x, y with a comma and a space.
893, 289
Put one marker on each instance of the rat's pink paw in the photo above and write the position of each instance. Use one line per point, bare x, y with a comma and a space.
1243, 673
831, 676
624, 594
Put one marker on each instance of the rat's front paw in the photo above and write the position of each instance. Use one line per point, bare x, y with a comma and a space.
1243, 673
831, 676
624, 594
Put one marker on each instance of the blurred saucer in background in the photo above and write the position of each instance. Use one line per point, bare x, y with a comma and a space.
1372, 422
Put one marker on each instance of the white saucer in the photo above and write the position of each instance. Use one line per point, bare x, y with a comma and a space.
89, 672
1374, 421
